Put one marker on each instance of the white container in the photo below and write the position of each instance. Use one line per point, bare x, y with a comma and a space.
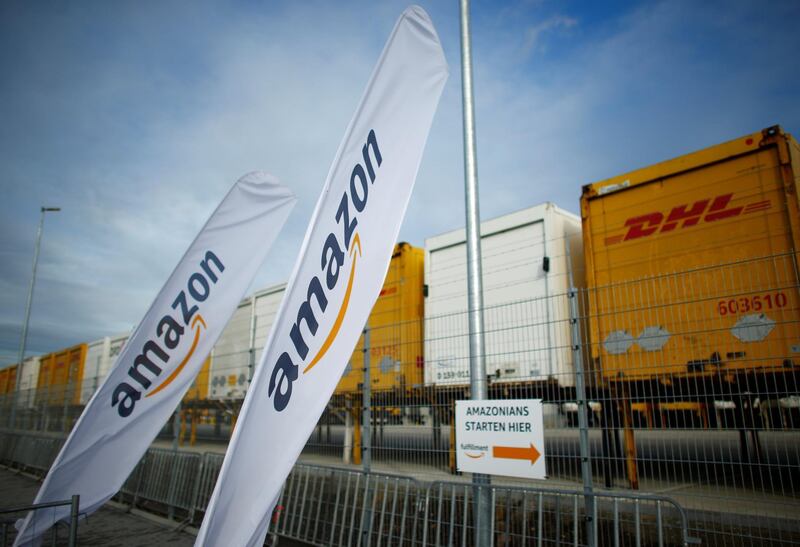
28, 380
101, 355
526, 309
267, 303
230, 358
239, 346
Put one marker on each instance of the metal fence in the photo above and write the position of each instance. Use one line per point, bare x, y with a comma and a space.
537, 516
328, 506
690, 392
336, 506
7, 523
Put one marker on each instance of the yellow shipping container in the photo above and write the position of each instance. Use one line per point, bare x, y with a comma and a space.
395, 329
199, 388
692, 264
60, 377
8, 379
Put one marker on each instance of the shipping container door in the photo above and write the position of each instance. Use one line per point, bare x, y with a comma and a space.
516, 312
395, 325
230, 367
694, 272
267, 305
28, 382
96, 353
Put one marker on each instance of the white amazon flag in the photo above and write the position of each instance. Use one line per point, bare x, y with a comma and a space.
164, 354
337, 278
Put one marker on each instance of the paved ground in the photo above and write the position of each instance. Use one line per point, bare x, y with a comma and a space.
110, 526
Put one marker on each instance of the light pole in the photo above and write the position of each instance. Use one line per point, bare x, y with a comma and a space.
24, 339
477, 363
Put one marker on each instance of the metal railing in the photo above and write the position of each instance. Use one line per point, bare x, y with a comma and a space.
539, 516
330, 506
324, 505
72, 535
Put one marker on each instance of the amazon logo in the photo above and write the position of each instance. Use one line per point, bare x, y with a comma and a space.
147, 367
341, 250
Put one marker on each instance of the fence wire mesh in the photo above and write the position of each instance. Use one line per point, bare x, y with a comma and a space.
691, 392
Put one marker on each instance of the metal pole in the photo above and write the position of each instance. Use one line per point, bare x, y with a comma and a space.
366, 440
73, 520
366, 414
477, 364
176, 425
583, 405
251, 363
24, 339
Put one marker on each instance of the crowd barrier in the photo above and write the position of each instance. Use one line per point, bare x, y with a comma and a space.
323, 505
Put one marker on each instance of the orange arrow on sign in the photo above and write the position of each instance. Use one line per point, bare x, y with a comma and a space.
516, 453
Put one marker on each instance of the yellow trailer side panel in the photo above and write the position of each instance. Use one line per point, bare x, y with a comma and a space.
60, 376
395, 325
44, 380
8, 379
199, 388
692, 263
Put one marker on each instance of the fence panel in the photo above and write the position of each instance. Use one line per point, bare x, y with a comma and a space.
33, 454
539, 516
168, 477
206, 479
329, 506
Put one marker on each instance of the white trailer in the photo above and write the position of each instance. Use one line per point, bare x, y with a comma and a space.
526, 312
28, 380
267, 303
101, 355
240, 344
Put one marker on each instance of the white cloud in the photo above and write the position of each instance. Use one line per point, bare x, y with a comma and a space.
534, 33
138, 142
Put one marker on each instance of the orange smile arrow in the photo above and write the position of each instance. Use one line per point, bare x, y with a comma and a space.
516, 453
197, 319
342, 311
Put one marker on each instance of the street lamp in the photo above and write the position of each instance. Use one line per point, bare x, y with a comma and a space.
28, 306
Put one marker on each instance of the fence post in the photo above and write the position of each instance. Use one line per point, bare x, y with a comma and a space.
73, 521
630, 441
67, 392
347, 451
176, 426
366, 440
583, 406
196, 486
14, 402
251, 359
366, 414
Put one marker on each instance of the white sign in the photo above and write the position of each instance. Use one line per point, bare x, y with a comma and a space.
162, 357
337, 278
501, 438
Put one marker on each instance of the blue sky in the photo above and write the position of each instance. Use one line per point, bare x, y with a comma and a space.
136, 117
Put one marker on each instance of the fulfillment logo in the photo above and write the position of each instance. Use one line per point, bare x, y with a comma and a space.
332, 260
476, 451
168, 333
684, 216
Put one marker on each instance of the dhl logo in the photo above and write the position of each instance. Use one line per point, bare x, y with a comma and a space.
684, 216
285, 371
